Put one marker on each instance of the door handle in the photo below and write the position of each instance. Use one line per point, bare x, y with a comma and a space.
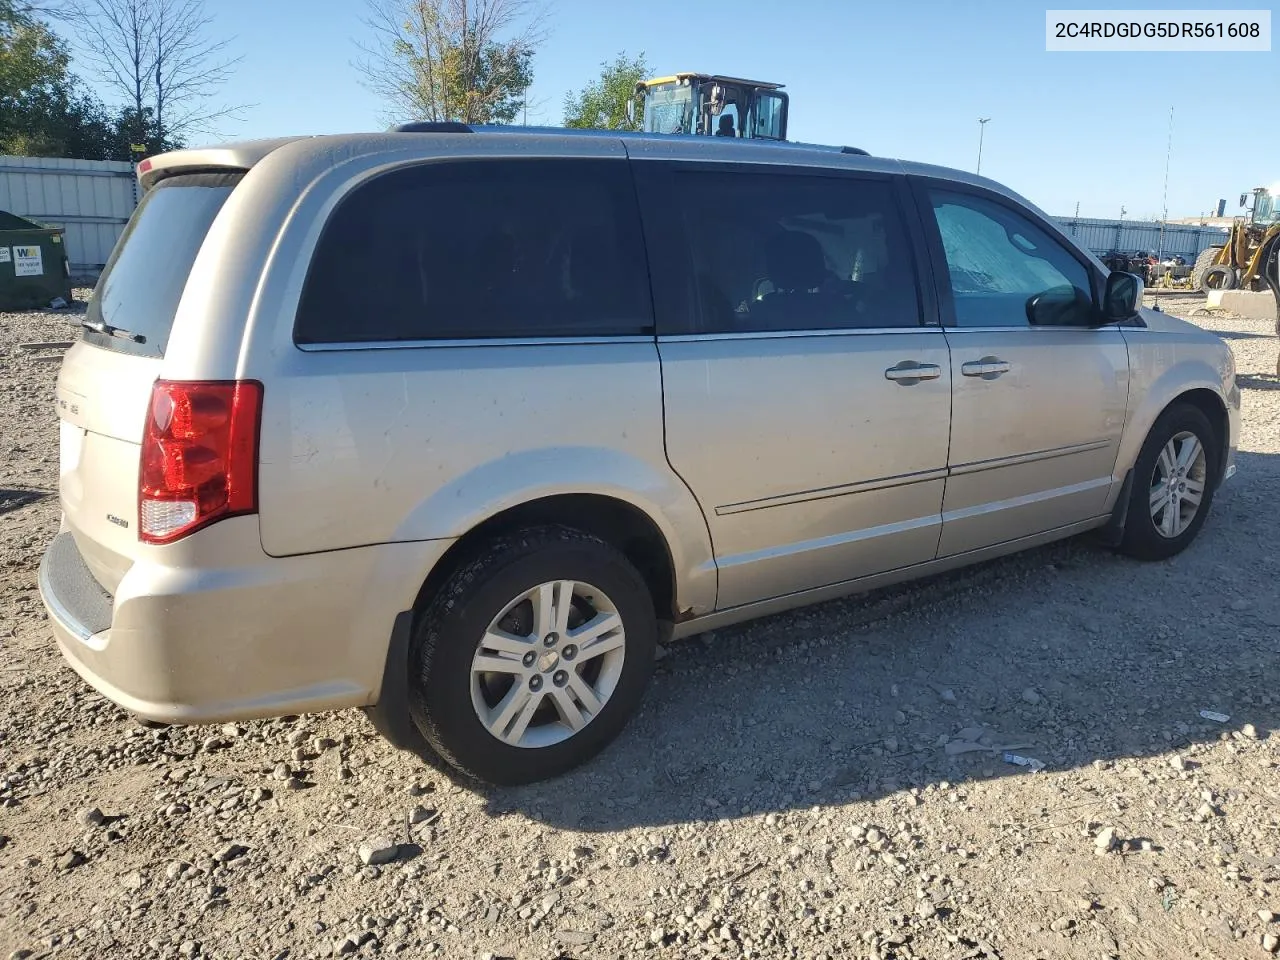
988, 368
908, 372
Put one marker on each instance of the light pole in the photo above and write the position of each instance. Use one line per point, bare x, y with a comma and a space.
982, 129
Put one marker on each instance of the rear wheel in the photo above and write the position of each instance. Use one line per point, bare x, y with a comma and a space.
533, 656
1173, 485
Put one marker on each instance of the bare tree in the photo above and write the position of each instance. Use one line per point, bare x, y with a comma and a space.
189, 68
465, 60
159, 57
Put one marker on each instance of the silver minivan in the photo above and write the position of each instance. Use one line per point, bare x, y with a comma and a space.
457, 424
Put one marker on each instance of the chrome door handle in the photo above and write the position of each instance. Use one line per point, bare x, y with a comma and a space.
988, 368
908, 372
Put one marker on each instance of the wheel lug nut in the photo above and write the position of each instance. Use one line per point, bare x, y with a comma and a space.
550, 640
535, 683
569, 652
529, 659
560, 678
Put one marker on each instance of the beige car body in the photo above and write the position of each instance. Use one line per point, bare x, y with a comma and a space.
377, 460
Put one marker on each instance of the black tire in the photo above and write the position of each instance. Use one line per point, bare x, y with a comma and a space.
1203, 261
448, 634
1219, 278
1142, 539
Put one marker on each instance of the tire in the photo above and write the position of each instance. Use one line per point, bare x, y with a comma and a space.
501, 588
1203, 261
1143, 536
1219, 278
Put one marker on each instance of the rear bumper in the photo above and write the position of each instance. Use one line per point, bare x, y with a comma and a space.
272, 637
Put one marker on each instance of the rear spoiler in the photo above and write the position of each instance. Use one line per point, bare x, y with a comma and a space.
233, 156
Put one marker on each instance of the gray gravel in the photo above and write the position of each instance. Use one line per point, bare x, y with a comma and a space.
827, 783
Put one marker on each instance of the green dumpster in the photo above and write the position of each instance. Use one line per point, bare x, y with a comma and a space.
34, 270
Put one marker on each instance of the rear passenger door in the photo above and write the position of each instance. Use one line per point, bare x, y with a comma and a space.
471, 333
1038, 407
807, 403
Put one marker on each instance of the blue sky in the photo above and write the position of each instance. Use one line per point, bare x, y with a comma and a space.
898, 79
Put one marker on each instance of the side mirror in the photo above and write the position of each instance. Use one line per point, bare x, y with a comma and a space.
1122, 297
1063, 306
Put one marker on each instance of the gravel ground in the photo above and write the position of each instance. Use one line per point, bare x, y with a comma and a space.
818, 784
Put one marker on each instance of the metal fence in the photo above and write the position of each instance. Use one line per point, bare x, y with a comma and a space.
91, 200
1141, 236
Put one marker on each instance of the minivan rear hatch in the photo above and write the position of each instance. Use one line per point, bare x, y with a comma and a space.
104, 388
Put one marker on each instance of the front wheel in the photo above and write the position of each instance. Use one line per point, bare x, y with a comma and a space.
1173, 485
533, 656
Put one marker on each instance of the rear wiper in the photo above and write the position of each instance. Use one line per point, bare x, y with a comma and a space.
101, 326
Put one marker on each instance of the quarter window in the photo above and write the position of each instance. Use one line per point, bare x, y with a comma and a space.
784, 252
1000, 263
454, 250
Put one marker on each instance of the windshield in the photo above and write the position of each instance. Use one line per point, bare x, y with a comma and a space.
668, 109
144, 278
1268, 208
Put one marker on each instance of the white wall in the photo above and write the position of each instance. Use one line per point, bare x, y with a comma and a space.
90, 199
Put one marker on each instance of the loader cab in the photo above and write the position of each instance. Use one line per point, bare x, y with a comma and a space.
708, 105
1262, 205
1266, 205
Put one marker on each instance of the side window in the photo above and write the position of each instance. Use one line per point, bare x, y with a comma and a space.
767, 119
524, 248
1000, 262
779, 252
727, 122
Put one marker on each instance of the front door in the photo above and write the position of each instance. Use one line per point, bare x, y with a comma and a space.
1037, 407
807, 407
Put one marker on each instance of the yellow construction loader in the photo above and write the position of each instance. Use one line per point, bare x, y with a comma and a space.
1248, 260
711, 105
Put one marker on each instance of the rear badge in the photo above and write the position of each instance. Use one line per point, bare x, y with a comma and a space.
111, 517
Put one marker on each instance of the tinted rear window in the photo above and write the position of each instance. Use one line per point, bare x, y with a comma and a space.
743, 251
143, 280
494, 248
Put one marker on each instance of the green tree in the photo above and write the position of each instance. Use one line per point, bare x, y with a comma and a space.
463, 60
602, 104
31, 56
44, 111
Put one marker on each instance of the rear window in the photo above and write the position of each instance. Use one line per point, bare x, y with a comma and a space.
144, 278
485, 249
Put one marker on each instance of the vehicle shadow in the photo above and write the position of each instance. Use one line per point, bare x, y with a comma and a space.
1253, 381
13, 499
1067, 654
1242, 335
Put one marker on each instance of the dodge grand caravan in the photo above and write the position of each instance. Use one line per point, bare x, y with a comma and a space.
455, 425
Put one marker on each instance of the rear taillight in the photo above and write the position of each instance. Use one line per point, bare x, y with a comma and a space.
199, 456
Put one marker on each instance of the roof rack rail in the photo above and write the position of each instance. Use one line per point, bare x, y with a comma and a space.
432, 126
454, 126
